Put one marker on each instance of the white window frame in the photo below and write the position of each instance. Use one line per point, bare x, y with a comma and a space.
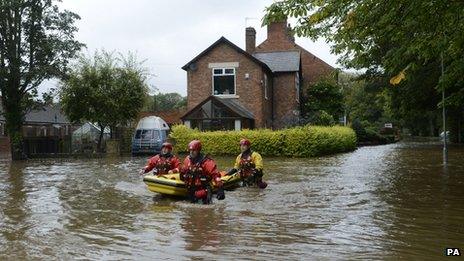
265, 86
297, 86
224, 74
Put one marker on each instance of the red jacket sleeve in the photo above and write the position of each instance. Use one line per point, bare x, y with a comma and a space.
151, 164
210, 167
184, 167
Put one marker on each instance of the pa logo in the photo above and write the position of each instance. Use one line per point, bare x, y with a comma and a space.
449, 251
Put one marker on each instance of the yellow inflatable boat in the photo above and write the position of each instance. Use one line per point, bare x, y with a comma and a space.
170, 184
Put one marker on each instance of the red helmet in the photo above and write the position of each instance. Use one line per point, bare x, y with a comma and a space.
166, 145
194, 145
245, 142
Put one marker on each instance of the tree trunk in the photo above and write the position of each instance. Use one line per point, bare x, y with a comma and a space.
431, 121
14, 123
16, 142
100, 138
13, 112
459, 130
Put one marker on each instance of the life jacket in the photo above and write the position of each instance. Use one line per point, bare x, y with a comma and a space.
195, 176
164, 164
246, 165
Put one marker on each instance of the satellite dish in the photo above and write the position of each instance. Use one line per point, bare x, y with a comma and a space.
193, 66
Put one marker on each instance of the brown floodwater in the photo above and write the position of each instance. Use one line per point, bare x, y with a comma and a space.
384, 202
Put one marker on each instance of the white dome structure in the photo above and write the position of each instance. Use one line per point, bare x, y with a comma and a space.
152, 122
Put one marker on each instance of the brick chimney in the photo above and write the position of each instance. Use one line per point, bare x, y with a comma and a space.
279, 30
250, 39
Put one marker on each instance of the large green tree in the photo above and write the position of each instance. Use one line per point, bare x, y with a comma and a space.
406, 39
324, 96
36, 43
166, 101
104, 89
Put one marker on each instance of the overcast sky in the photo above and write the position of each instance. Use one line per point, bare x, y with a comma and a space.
168, 34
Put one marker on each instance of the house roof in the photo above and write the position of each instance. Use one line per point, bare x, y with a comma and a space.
235, 47
48, 114
286, 61
232, 104
236, 106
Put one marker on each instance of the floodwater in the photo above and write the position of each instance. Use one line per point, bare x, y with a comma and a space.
384, 202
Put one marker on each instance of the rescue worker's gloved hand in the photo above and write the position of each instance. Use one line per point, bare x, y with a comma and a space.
142, 171
220, 194
261, 184
231, 172
259, 173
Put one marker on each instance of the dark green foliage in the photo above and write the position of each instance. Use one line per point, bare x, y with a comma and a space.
166, 102
105, 90
36, 43
321, 118
325, 98
385, 38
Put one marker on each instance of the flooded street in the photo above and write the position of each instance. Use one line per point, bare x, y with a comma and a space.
384, 202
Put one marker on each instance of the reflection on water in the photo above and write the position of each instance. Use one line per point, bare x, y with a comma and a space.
388, 202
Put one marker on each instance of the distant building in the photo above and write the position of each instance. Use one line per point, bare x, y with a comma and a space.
86, 137
259, 87
44, 131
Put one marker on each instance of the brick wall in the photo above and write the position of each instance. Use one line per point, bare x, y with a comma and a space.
268, 103
285, 99
250, 91
279, 39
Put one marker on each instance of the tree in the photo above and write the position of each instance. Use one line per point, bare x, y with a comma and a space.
389, 40
323, 102
105, 90
36, 43
166, 101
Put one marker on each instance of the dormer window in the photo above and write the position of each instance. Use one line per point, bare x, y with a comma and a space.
224, 81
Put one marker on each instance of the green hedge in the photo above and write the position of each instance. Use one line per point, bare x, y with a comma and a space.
306, 141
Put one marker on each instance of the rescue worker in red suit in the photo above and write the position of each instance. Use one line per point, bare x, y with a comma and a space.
163, 163
198, 172
249, 164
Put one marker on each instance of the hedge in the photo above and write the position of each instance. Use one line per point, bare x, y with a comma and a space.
305, 141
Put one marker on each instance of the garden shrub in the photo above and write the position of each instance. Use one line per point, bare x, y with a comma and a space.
304, 141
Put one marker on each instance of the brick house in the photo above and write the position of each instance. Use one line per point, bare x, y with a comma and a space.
259, 87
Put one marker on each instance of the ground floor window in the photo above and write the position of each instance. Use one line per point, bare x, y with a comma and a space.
213, 124
220, 124
219, 114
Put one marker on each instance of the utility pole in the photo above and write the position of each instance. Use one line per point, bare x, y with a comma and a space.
445, 136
